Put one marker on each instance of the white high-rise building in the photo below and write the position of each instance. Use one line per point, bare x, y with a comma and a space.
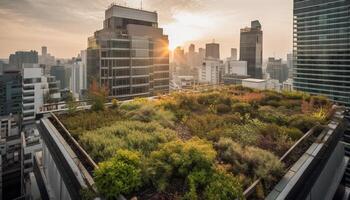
37, 89
210, 71
78, 81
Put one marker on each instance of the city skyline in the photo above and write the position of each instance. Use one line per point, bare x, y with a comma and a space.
65, 31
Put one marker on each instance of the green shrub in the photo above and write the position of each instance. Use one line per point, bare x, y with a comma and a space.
223, 186
303, 122
120, 175
180, 159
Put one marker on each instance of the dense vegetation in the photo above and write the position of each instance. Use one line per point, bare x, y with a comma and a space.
199, 145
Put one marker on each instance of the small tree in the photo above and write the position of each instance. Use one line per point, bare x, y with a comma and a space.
98, 96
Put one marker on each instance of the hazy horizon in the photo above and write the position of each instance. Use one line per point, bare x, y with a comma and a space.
64, 26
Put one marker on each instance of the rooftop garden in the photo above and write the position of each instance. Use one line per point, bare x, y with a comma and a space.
194, 145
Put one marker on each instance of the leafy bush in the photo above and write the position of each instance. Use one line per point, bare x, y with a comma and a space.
260, 163
120, 175
223, 186
180, 159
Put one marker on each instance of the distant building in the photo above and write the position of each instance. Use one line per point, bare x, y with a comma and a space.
179, 57
288, 85
234, 54
10, 92
277, 69
77, 83
259, 84
251, 49
210, 71
234, 79
130, 54
236, 67
46, 59
17, 60
262, 84
290, 63
212, 50
321, 48
60, 73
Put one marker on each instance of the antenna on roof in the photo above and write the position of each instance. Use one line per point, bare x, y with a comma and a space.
141, 4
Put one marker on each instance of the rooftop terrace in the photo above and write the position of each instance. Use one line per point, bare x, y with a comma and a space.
212, 144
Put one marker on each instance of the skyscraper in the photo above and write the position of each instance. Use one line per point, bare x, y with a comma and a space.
212, 50
322, 48
251, 49
130, 54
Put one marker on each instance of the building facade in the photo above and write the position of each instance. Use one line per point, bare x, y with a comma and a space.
10, 93
251, 49
322, 48
130, 54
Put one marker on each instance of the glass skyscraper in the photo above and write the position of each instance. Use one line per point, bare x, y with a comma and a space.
322, 48
130, 54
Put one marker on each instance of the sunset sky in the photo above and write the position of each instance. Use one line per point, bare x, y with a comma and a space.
65, 25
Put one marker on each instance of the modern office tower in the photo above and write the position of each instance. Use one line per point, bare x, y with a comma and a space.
277, 69
212, 50
17, 60
10, 93
210, 71
130, 54
60, 73
251, 49
322, 48
38, 90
